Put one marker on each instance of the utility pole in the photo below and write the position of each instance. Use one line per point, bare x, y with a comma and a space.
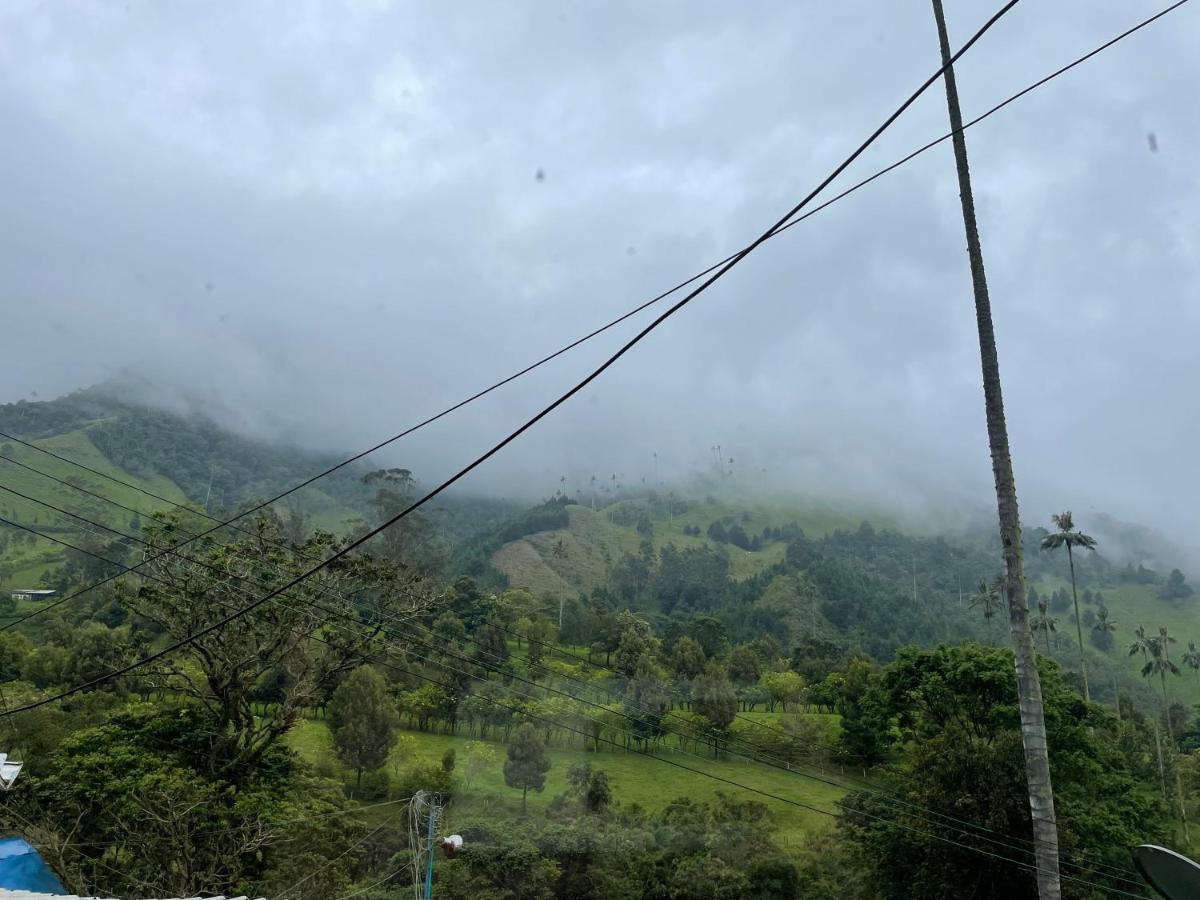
433, 811
1029, 687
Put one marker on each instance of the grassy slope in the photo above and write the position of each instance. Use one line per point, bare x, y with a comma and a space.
29, 563
593, 542
635, 779
1130, 606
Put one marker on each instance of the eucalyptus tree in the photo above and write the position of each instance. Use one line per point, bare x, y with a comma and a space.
1068, 537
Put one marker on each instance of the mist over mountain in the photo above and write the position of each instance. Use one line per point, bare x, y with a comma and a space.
325, 254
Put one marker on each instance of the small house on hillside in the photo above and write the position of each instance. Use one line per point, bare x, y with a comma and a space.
22, 594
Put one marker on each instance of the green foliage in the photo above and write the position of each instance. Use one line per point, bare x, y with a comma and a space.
527, 763
588, 789
956, 712
114, 804
713, 697
364, 720
1176, 588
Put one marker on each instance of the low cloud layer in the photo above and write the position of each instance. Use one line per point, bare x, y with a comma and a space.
324, 221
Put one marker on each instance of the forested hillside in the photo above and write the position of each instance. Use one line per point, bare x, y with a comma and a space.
166, 458
658, 693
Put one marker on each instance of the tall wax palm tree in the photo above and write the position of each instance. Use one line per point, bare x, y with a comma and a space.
1105, 625
1159, 663
1045, 623
1068, 537
1029, 686
987, 597
1141, 643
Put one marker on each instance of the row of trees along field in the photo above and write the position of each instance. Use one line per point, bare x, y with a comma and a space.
258, 743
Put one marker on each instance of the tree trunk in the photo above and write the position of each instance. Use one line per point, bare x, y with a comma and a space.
1078, 628
1029, 688
524, 802
1116, 696
1174, 756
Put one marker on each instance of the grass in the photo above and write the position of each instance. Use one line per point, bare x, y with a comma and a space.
28, 563
1129, 606
591, 543
651, 782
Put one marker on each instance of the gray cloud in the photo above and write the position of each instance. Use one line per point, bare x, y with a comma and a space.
323, 221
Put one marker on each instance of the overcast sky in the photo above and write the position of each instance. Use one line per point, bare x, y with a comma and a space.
325, 220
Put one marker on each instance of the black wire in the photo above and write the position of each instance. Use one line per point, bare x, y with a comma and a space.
889, 796
228, 522
596, 373
762, 757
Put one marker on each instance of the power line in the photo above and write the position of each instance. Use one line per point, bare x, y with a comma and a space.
516, 375
757, 754
563, 398
607, 725
786, 766
781, 799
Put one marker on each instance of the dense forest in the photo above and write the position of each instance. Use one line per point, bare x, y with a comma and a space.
733, 706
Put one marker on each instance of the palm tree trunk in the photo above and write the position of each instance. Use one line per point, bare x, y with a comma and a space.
1029, 688
1116, 696
1174, 756
1078, 628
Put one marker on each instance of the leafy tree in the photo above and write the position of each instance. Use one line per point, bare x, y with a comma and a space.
636, 640
745, 665
142, 781
710, 634
574, 622
1067, 537
784, 688
956, 712
527, 762
222, 669
363, 719
412, 541
687, 659
589, 787
478, 758
537, 642
1176, 587
714, 698
866, 726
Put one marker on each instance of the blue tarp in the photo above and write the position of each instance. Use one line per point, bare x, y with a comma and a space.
22, 869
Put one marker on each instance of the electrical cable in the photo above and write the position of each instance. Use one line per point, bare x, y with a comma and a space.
223, 523
758, 757
563, 398
757, 751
